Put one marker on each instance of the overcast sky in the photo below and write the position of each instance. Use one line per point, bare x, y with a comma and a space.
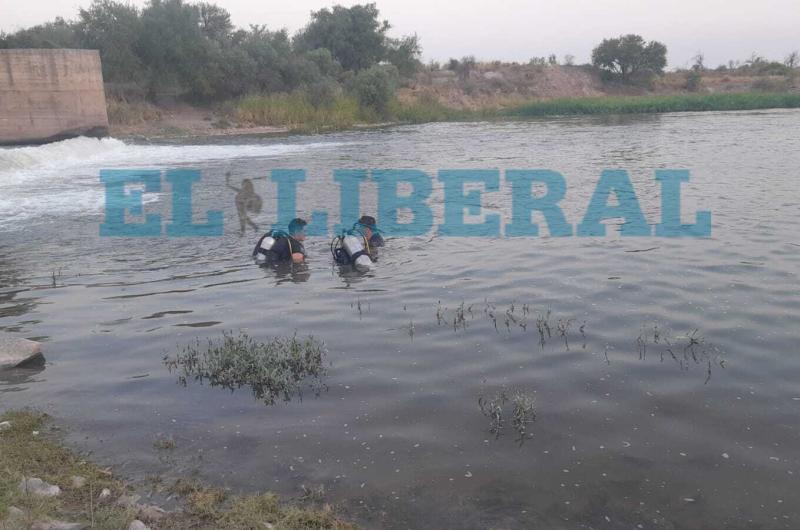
516, 30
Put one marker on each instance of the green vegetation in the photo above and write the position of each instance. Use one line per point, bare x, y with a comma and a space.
427, 108
121, 112
28, 451
272, 370
630, 59
30, 448
192, 50
656, 104
343, 69
297, 112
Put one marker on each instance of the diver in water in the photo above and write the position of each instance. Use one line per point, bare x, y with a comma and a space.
357, 246
247, 200
277, 246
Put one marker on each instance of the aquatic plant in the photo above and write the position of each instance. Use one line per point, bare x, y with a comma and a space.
273, 369
522, 412
691, 348
492, 408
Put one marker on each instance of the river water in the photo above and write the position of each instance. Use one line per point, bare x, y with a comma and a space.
675, 406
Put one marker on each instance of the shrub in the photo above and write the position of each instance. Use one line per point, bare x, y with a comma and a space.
374, 88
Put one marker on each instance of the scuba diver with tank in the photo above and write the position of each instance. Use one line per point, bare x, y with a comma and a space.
278, 246
356, 247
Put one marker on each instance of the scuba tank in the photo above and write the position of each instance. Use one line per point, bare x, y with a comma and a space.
354, 246
265, 244
348, 249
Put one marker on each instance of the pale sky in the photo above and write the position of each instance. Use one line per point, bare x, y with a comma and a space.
516, 30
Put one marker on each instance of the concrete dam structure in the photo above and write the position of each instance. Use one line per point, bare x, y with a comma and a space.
49, 95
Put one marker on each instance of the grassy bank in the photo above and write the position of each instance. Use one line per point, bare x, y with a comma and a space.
657, 104
295, 112
31, 448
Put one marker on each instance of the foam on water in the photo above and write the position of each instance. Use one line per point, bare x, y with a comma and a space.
63, 177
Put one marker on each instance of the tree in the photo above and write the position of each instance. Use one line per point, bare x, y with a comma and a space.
215, 21
354, 35
630, 58
57, 34
174, 48
793, 59
114, 29
404, 53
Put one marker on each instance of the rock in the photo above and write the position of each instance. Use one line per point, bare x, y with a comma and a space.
5, 425
15, 351
57, 525
39, 487
128, 501
104, 494
14, 512
78, 482
151, 513
136, 524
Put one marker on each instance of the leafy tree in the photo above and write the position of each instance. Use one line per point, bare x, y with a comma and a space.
215, 21
630, 58
56, 34
354, 35
174, 47
405, 54
114, 29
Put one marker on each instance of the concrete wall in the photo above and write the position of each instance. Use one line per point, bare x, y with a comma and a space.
48, 95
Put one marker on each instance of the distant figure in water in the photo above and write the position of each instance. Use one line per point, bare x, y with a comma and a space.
276, 246
247, 200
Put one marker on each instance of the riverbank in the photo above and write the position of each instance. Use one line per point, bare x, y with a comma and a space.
658, 104
42, 482
271, 115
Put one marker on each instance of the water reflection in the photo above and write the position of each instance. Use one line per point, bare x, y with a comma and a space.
287, 272
18, 379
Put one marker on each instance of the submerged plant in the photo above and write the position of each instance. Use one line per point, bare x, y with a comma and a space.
492, 408
522, 415
273, 369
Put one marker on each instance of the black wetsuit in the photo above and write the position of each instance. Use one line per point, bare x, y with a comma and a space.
284, 247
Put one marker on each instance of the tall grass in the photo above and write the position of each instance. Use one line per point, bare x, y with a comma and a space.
297, 112
424, 109
122, 112
656, 104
